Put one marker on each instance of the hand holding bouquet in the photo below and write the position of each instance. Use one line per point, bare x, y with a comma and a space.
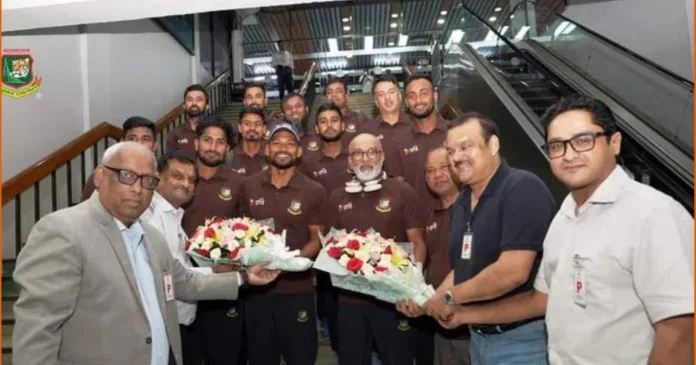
367, 263
245, 242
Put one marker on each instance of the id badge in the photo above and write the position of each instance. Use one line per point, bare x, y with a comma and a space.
467, 240
579, 284
168, 288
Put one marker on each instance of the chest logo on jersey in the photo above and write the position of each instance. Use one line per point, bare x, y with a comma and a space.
351, 128
295, 207
313, 146
411, 150
321, 172
431, 227
345, 207
403, 325
182, 141
232, 312
257, 202
384, 205
264, 168
242, 171
302, 316
225, 194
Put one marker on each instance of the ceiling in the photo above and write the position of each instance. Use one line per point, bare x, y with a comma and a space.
307, 29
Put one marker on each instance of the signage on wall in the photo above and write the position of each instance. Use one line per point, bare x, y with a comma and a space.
18, 77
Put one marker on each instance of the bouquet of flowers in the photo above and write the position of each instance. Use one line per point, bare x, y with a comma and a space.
245, 242
367, 263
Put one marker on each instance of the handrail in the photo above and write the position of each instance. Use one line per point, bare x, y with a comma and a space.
610, 42
450, 111
305, 82
44, 167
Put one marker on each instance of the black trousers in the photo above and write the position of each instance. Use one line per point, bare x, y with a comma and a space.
327, 305
362, 324
281, 325
222, 329
191, 343
425, 340
285, 82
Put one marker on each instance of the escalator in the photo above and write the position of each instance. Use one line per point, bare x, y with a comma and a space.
530, 65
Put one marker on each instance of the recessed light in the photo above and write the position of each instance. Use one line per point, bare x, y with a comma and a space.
512, 16
395, 16
444, 12
463, 20
492, 19
346, 28
391, 44
498, 9
346, 20
441, 21
393, 25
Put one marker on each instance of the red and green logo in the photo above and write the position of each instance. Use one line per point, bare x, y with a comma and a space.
18, 78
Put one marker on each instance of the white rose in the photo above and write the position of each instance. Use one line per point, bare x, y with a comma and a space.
207, 245
239, 234
343, 260
215, 253
368, 270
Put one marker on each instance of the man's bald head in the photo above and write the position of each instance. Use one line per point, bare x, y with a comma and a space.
366, 156
126, 179
365, 140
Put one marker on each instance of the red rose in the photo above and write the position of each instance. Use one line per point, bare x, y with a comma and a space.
234, 253
204, 253
361, 234
381, 269
387, 251
353, 245
209, 233
334, 252
218, 220
354, 264
240, 226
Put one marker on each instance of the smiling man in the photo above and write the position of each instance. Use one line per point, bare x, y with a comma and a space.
183, 136
616, 282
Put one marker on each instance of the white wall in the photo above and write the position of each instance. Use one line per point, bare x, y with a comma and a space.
659, 30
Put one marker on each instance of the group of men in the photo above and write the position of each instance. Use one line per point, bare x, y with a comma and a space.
607, 279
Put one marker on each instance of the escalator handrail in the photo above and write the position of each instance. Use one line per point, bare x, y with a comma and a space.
604, 39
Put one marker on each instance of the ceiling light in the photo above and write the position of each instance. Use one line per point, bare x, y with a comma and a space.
522, 32
444, 12
395, 16
455, 37
349, 55
403, 40
498, 9
502, 31
391, 44
441, 21
463, 20
369, 42
346, 20
333, 44
393, 25
346, 28
492, 19
512, 16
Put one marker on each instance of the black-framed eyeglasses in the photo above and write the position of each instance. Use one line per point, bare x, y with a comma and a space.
582, 142
370, 153
127, 177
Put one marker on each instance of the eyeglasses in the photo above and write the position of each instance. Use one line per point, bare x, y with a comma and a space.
580, 143
359, 154
126, 177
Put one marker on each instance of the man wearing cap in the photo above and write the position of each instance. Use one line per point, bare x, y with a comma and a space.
248, 157
282, 318
371, 200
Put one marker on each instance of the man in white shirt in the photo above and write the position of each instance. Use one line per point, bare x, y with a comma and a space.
617, 277
178, 176
283, 63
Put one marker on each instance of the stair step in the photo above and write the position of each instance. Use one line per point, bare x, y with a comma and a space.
7, 359
7, 339
8, 312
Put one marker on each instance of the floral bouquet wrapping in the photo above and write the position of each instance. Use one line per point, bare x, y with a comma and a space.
245, 242
367, 263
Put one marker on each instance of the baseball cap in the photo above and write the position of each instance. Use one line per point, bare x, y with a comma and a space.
284, 127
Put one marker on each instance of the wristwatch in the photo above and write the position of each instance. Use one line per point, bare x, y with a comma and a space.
243, 277
449, 298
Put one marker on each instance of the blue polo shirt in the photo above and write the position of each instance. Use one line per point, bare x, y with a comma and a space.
513, 213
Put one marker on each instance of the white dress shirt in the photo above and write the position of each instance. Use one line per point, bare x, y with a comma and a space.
167, 220
622, 264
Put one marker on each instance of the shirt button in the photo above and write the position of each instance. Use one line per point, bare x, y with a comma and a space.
148, 340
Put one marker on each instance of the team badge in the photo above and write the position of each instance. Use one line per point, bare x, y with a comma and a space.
302, 316
232, 312
182, 141
351, 128
384, 205
403, 325
313, 146
295, 207
225, 194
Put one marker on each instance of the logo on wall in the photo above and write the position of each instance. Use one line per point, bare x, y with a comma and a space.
18, 78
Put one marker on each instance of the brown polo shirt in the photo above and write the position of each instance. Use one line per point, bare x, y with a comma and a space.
181, 138
293, 208
391, 211
330, 172
408, 159
386, 133
353, 121
437, 229
217, 196
244, 164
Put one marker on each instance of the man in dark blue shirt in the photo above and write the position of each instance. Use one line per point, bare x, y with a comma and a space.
499, 222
